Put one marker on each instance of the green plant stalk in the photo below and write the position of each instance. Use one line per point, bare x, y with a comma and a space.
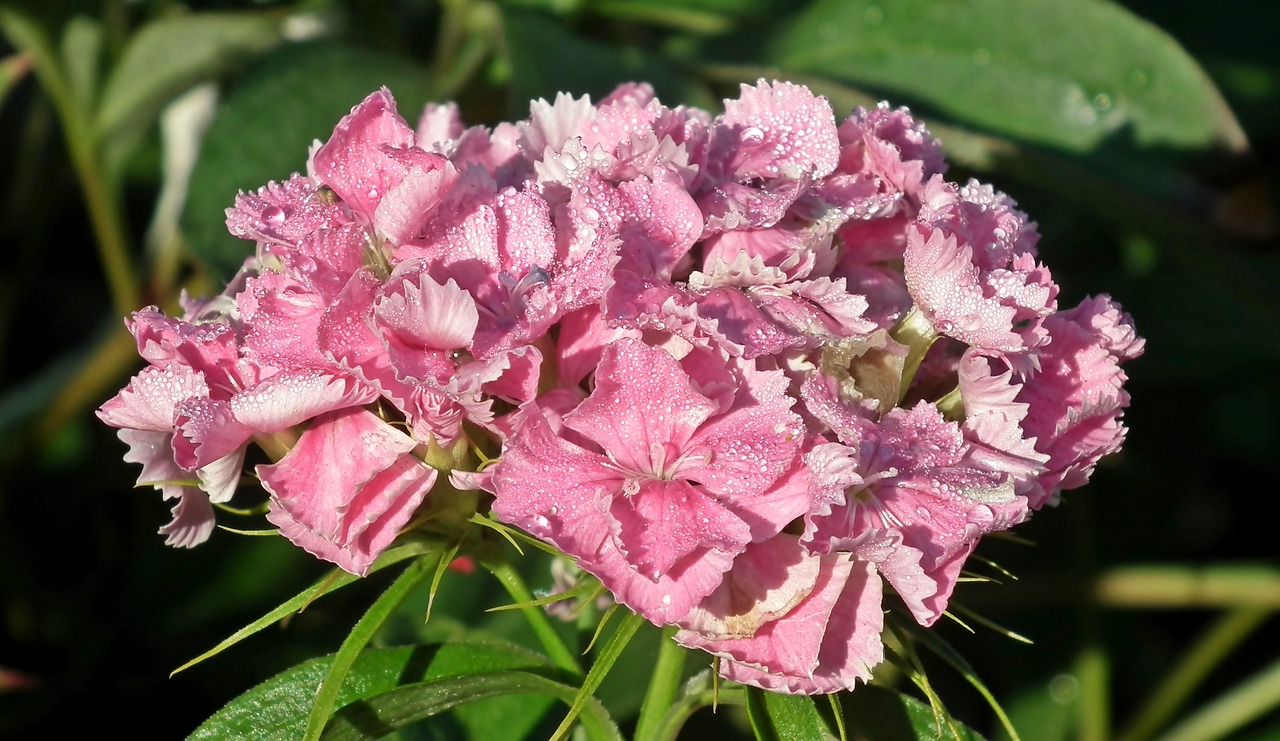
664, 686
605, 658
556, 650
684, 707
1218, 642
1231, 711
105, 214
363, 631
1093, 666
1093, 670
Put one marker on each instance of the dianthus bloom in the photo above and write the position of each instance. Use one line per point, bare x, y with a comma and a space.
747, 370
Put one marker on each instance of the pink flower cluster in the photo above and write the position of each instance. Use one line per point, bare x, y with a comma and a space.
745, 369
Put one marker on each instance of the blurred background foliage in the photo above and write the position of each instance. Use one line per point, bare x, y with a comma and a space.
1144, 137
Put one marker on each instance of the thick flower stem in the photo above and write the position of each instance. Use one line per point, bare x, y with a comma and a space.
663, 686
914, 331
559, 653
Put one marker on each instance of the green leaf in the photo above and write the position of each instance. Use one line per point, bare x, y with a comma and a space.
882, 714
289, 99
698, 16
378, 716
170, 54
776, 717
278, 707
81, 57
545, 58
1068, 74
935, 643
361, 633
605, 659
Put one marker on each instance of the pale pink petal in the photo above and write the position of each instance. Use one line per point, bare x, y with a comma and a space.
148, 402
407, 205
292, 397
192, 522
767, 580
829, 641
780, 128
439, 125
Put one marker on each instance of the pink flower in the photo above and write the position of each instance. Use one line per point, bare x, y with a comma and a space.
1076, 401
970, 267
906, 494
651, 485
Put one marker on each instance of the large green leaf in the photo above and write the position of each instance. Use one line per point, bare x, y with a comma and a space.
278, 707
169, 54
377, 716
1066, 74
546, 58
777, 717
265, 126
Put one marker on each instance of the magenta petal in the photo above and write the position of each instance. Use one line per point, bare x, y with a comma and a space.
282, 213
553, 488
209, 431
782, 129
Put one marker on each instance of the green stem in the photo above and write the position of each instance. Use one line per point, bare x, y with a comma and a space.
363, 631
683, 708
664, 685
1093, 668
107, 221
605, 659
542, 627
105, 214
914, 331
1247, 702
1215, 645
